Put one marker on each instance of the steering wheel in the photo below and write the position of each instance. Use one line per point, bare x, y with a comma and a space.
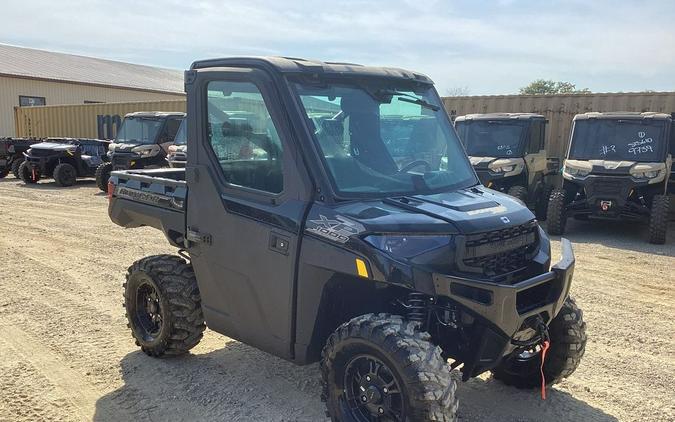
414, 164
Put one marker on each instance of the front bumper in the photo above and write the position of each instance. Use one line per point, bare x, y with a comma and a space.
609, 197
502, 311
124, 161
39, 163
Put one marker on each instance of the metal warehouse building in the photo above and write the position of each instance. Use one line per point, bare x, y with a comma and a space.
30, 77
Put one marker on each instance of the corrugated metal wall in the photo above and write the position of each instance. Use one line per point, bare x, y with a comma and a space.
80, 120
63, 93
560, 109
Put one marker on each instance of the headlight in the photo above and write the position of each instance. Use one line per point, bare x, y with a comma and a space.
646, 174
504, 169
506, 165
407, 246
574, 171
144, 151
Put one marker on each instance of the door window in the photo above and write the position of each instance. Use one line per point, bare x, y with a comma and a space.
243, 137
536, 137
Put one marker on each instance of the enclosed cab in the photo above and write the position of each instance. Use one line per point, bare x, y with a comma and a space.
142, 141
508, 152
329, 213
617, 167
12, 154
64, 159
177, 154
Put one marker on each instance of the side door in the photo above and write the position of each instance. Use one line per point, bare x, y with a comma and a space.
536, 152
246, 201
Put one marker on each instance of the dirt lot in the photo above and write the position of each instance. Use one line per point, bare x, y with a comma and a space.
66, 354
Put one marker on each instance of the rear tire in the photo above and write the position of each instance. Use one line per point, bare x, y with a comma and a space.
541, 206
65, 175
519, 192
16, 163
568, 344
102, 176
658, 220
420, 387
27, 174
163, 305
4, 172
555, 215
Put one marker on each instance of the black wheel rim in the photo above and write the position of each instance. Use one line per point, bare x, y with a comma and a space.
524, 362
68, 175
371, 391
148, 311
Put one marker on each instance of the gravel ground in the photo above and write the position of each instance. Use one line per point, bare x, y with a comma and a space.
66, 354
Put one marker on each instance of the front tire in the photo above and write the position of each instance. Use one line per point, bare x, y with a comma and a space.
568, 344
4, 172
556, 220
385, 359
541, 206
65, 175
519, 192
102, 176
163, 305
27, 174
658, 220
16, 163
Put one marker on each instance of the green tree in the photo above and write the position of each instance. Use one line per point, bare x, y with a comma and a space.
548, 87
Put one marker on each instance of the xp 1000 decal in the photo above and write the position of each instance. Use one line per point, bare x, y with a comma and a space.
338, 228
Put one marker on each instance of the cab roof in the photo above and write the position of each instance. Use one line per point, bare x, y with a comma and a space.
623, 115
293, 65
500, 116
155, 114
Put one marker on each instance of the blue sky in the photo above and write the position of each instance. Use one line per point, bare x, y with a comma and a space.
487, 47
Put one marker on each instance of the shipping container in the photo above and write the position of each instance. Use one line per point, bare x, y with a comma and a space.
560, 109
83, 120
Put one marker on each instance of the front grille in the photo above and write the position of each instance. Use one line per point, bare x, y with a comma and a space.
38, 152
606, 187
502, 251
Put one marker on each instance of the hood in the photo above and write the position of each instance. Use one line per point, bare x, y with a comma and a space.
473, 210
123, 147
54, 146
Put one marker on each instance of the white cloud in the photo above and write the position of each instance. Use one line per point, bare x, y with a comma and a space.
491, 47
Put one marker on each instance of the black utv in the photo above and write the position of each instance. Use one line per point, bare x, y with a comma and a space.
11, 154
618, 166
142, 141
64, 159
508, 152
302, 232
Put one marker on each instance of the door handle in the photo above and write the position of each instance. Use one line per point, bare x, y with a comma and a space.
279, 243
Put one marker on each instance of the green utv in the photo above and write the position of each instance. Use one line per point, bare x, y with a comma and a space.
328, 212
142, 141
618, 167
508, 152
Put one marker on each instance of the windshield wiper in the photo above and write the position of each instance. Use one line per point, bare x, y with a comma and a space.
419, 102
407, 98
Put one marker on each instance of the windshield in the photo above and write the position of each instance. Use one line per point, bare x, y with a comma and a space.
616, 140
492, 138
181, 135
385, 139
137, 130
